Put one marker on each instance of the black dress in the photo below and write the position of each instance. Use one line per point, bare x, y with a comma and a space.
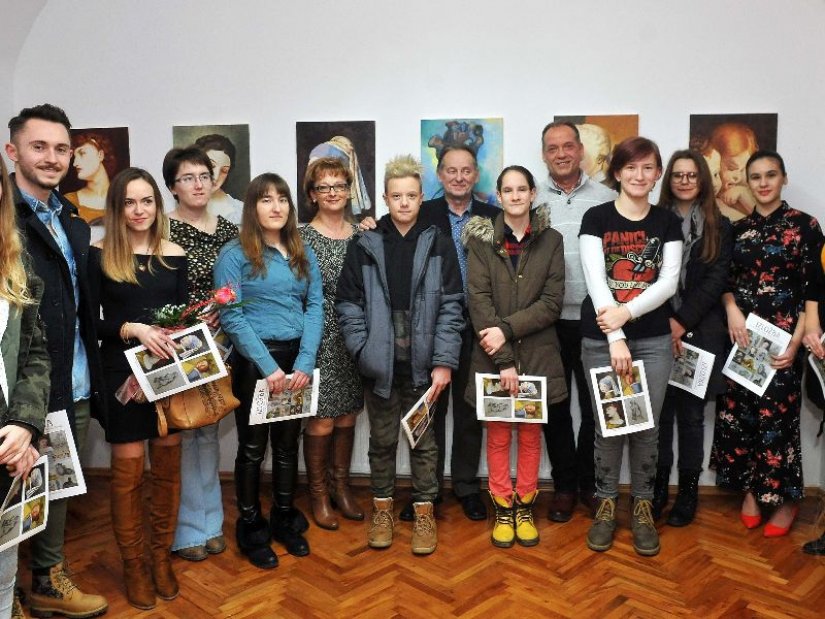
122, 302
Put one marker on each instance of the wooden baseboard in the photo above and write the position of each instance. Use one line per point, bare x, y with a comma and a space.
405, 481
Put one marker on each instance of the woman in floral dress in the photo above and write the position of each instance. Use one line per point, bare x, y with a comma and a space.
327, 187
756, 444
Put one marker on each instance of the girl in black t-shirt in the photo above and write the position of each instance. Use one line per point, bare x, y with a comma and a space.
631, 254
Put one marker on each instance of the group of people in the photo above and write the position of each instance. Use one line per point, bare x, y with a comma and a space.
567, 276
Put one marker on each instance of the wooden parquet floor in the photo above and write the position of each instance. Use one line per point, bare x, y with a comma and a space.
714, 568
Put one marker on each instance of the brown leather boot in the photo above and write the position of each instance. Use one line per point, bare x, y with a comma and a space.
316, 450
165, 461
341, 457
127, 522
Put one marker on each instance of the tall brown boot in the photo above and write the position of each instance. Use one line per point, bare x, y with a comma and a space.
165, 461
316, 450
341, 457
127, 522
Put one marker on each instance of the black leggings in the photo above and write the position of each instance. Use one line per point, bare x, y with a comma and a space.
252, 440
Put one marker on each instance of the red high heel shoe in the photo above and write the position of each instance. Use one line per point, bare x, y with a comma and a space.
771, 530
750, 522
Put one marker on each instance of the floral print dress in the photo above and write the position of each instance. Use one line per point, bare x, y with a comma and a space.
756, 444
340, 391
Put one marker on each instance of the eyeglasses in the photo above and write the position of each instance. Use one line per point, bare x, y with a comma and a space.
339, 187
189, 179
685, 177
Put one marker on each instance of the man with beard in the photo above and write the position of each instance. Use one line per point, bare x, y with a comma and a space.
57, 241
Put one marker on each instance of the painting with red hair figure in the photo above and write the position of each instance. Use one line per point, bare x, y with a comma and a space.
727, 141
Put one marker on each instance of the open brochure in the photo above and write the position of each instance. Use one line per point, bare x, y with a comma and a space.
25, 508
416, 421
623, 402
65, 473
751, 366
529, 405
197, 360
268, 408
692, 370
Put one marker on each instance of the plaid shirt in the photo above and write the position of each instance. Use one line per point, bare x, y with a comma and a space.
514, 247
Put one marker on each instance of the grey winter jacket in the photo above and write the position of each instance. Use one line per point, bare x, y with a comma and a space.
362, 304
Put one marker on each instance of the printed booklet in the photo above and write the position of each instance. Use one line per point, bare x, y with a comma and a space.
623, 401
529, 405
751, 366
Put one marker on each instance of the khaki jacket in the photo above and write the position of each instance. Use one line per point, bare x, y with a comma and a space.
524, 302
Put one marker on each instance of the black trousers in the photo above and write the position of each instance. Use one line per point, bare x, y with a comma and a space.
572, 466
252, 440
467, 430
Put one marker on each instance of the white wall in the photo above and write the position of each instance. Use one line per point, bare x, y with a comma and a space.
153, 64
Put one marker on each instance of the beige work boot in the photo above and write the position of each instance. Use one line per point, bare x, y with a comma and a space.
424, 535
54, 592
379, 534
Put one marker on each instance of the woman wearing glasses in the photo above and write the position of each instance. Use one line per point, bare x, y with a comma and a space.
697, 318
327, 187
756, 444
187, 173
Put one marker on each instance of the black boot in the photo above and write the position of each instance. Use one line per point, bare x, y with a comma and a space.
815, 547
253, 541
660, 491
684, 508
251, 530
282, 523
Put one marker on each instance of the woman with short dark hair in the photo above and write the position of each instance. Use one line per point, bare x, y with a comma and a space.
188, 174
341, 397
631, 253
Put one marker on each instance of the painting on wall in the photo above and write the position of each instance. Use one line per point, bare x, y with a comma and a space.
351, 141
485, 136
727, 141
599, 134
228, 148
98, 154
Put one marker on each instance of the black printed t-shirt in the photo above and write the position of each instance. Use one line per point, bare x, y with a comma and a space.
632, 260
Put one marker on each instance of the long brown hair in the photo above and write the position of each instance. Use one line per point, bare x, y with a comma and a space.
711, 234
13, 284
118, 259
252, 235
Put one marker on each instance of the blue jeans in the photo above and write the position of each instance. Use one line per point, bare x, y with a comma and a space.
8, 573
201, 505
643, 446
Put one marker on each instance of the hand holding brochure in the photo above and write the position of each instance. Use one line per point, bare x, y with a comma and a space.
25, 508
529, 405
65, 473
623, 401
692, 370
268, 408
198, 359
751, 366
418, 419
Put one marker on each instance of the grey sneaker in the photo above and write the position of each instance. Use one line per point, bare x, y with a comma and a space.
379, 534
645, 535
600, 535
